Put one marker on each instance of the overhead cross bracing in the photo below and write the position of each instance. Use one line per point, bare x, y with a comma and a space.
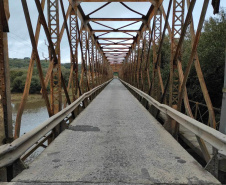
132, 45
127, 30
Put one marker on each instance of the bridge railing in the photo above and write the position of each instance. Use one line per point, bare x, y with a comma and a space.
201, 113
26, 144
210, 135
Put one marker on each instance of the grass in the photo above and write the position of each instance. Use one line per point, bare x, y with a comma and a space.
31, 97
16, 97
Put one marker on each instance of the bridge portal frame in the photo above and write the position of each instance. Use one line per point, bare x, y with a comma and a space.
135, 69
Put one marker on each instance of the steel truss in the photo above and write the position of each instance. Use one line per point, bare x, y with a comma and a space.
129, 56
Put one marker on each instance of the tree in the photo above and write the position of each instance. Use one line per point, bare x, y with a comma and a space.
211, 51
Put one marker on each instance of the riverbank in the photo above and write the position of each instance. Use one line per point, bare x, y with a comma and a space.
16, 97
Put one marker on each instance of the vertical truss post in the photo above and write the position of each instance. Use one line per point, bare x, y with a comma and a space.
140, 49
95, 63
90, 46
131, 67
55, 78
156, 41
98, 66
223, 108
53, 24
74, 45
178, 21
101, 67
6, 133
146, 60
177, 24
135, 50
84, 81
145, 34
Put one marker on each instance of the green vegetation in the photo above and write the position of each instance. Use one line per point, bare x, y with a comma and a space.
18, 74
211, 52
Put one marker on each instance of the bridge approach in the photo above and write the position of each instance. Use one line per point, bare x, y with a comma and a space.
115, 140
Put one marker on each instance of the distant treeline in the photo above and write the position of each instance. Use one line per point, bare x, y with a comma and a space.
211, 52
18, 74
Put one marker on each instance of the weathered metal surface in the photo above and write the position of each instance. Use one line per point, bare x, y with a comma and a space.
223, 108
212, 136
55, 84
133, 58
28, 80
7, 130
108, 144
11, 152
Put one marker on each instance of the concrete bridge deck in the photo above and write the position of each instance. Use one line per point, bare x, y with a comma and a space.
114, 141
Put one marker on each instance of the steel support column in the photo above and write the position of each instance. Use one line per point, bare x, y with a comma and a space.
223, 107
177, 25
6, 134
74, 45
55, 87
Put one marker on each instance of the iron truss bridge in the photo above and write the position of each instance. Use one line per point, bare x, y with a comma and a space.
115, 120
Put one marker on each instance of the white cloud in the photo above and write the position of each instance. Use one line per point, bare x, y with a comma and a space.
19, 41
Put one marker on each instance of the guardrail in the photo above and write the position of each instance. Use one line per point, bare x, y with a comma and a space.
210, 135
9, 153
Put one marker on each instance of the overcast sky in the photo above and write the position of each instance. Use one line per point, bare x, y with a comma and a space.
19, 41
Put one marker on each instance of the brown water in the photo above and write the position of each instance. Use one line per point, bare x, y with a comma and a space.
34, 114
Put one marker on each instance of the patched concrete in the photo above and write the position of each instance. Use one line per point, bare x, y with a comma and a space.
115, 141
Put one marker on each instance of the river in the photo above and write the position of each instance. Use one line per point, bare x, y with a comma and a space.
35, 113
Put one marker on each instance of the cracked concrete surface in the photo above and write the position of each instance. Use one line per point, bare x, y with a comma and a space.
114, 141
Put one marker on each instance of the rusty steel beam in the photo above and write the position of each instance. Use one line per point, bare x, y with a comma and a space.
3, 17
48, 74
82, 18
109, 44
152, 1
91, 64
34, 46
127, 25
222, 128
7, 127
115, 48
201, 78
115, 19
98, 9
160, 45
28, 79
55, 84
94, 31
132, 9
193, 53
116, 38
57, 80
114, 55
74, 44
202, 83
71, 52
102, 25
115, 51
